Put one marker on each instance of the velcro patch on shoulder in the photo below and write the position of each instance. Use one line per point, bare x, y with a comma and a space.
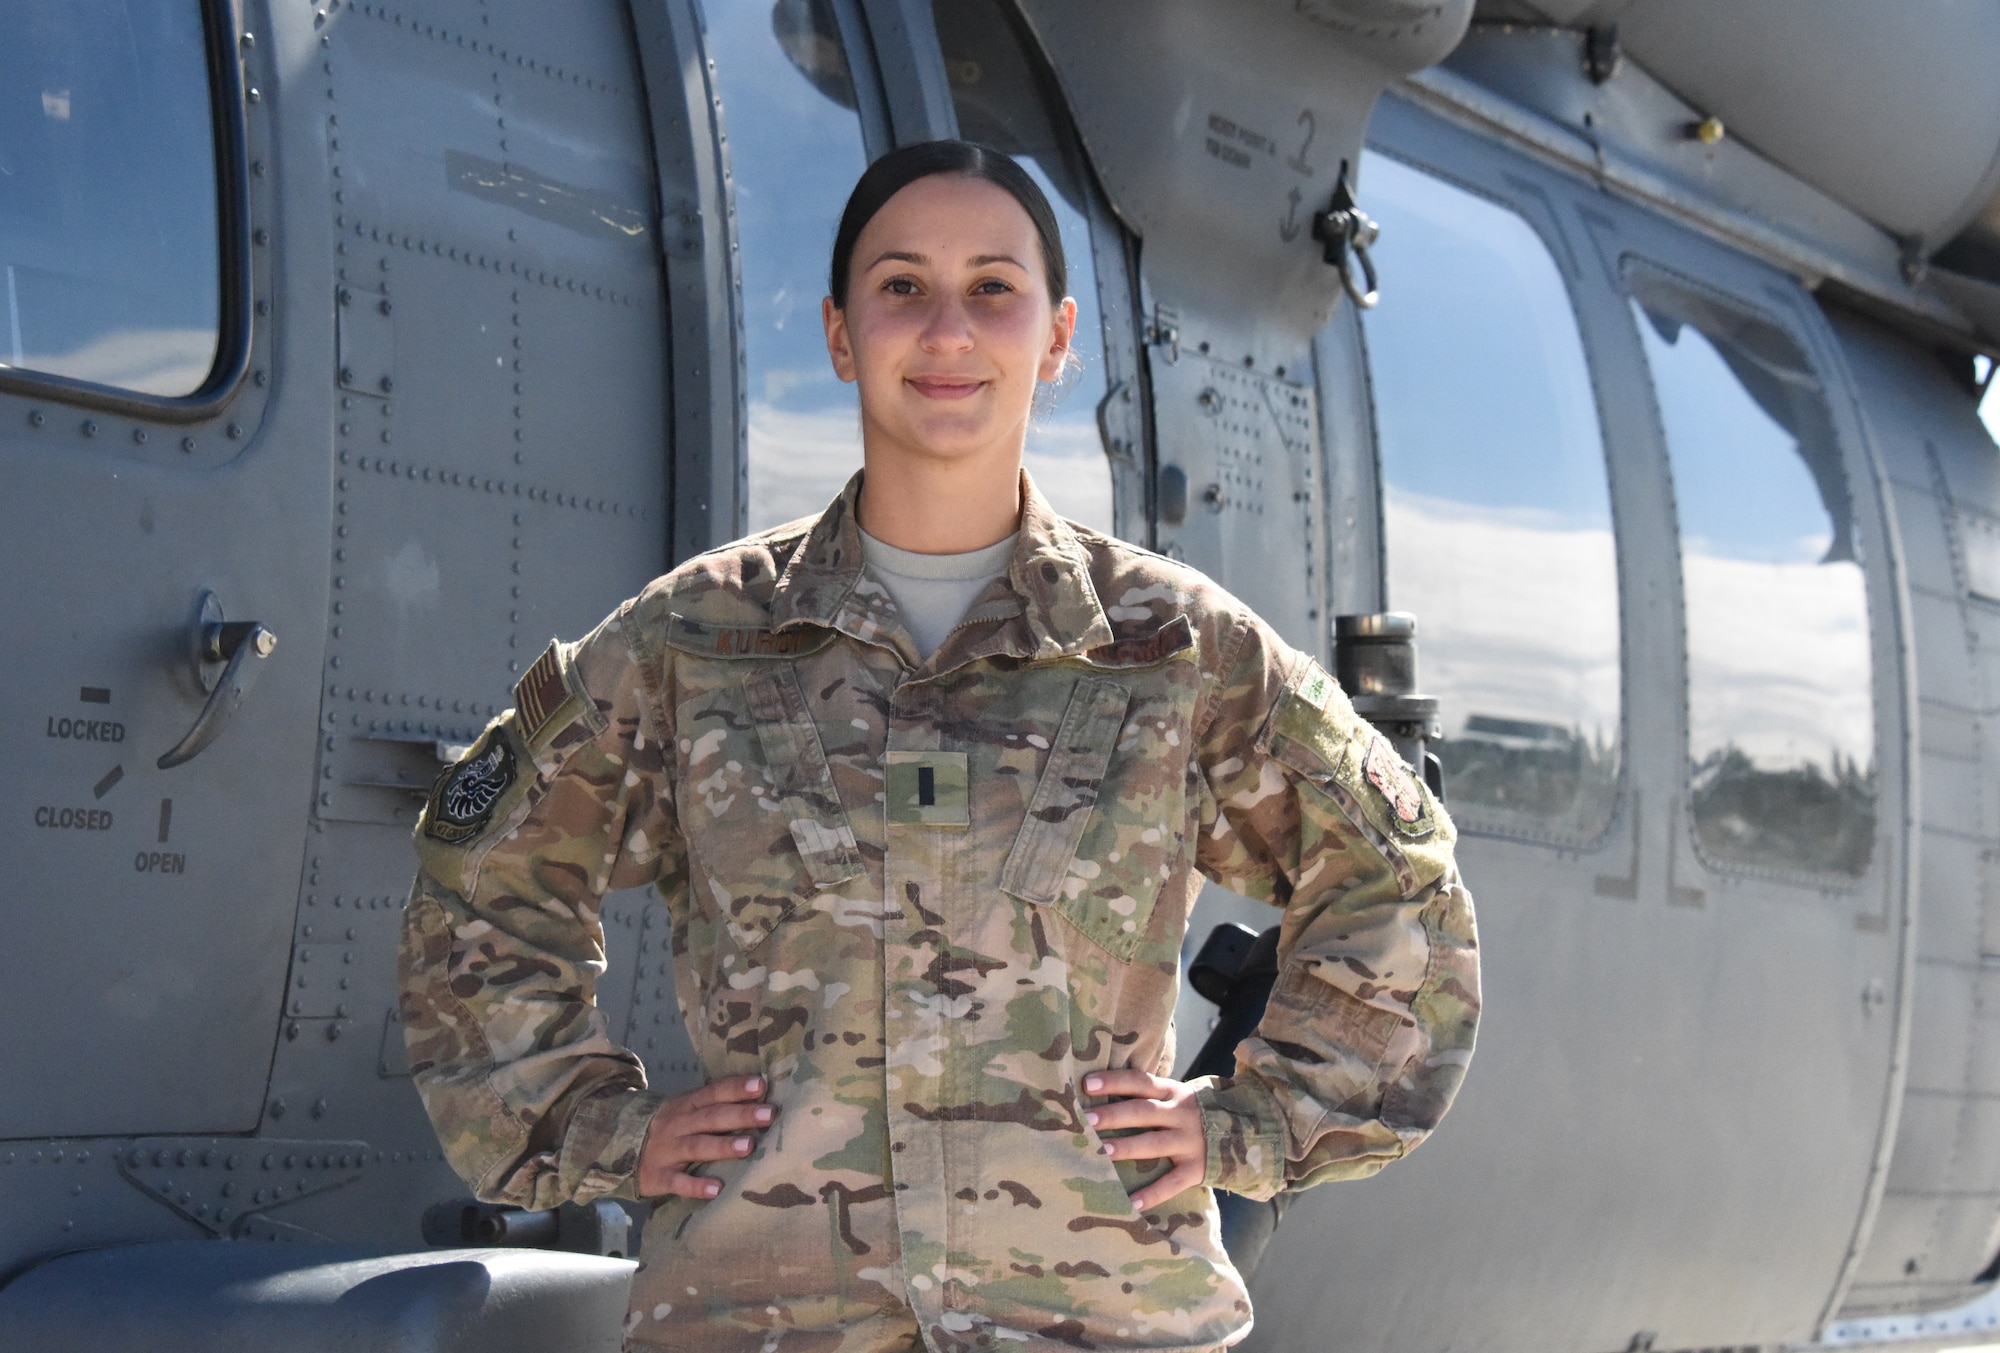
463, 800
741, 641
1409, 807
1176, 636
548, 698
1307, 717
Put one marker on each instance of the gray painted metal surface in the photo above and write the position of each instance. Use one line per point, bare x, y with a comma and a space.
187, 1297
492, 383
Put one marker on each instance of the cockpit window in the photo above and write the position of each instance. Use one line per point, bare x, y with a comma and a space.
110, 246
1496, 507
1781, 728
1005, 99
795, 151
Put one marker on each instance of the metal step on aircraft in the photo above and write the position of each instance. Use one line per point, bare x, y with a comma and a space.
350, 349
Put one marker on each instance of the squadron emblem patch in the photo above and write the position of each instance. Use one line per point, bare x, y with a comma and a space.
462, 804
1392, 776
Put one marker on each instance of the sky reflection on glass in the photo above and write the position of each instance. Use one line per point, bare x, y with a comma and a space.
109, 241
1778, 660
1496, 508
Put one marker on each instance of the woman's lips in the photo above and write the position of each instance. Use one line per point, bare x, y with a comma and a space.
945, 387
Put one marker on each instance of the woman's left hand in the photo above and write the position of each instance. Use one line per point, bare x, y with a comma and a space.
1169, 1110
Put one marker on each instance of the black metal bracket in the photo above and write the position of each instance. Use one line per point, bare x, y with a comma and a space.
1347, 232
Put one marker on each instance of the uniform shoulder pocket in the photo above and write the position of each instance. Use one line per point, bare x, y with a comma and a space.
1314, 730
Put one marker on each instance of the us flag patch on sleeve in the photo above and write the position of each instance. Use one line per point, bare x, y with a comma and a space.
543, 701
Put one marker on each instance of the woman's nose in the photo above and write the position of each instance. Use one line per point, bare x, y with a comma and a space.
948, 328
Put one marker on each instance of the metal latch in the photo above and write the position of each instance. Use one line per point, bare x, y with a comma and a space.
1348, 232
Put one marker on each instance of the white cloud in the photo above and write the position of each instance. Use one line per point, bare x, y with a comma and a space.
1518, 617
799, 461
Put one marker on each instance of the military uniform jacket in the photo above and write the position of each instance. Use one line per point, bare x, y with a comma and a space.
925, 898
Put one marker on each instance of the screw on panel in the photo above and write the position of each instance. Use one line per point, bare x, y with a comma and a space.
89, 427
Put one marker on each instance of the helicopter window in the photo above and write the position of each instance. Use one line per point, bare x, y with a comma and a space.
1005, 98
795, 151
1781, 727
1496, 507
110, 246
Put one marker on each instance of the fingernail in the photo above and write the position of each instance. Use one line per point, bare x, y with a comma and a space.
710, 1189
754, 1085
1091, 1119
1106, 1148
1093, 1083
762, 1115
742, 1144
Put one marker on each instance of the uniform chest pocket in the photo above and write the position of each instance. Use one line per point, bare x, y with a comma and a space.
758, 805
1103, 829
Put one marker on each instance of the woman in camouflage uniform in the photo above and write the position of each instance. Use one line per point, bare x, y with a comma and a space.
928, 784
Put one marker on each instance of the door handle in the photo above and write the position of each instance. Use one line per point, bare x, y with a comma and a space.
228, 656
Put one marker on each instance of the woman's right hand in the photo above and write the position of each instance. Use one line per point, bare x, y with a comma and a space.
701, 1125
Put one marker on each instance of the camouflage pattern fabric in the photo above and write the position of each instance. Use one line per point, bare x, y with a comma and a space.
925, 899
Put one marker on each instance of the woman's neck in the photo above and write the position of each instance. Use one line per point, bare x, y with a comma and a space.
940, 507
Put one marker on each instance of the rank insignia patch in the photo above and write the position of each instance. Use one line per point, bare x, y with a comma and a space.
1393, 778
462, 804
927, 789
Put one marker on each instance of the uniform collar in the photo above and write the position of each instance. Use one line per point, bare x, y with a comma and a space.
1058, 615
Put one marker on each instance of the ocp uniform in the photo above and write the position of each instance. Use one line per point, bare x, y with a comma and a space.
925, 899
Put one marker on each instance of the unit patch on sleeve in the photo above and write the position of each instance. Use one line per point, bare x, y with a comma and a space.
1397, 783
543, 701
462, 803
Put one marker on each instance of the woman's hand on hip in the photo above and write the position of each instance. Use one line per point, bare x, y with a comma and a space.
712, 1123
1169, 1119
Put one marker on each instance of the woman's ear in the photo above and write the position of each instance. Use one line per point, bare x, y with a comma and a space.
837, 346
1061, 331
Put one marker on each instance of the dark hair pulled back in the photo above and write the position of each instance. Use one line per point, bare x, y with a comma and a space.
965, 159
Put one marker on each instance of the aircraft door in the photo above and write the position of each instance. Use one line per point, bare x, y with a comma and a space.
1687, 882
147, 896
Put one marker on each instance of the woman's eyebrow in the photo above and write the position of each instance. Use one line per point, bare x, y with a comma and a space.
923, 260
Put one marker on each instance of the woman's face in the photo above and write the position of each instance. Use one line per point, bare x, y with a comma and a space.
948, 324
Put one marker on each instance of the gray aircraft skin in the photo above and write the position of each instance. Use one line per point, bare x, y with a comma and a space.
354, 348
